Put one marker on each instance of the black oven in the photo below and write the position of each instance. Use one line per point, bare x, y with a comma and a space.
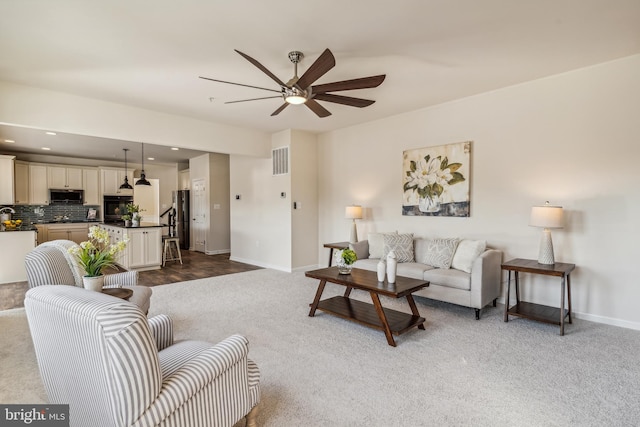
115, 207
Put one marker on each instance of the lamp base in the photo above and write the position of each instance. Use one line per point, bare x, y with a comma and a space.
353, 238
545, 254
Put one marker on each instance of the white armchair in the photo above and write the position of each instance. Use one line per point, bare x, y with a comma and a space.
96, 353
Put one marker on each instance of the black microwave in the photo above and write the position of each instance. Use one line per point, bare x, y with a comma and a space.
68, 197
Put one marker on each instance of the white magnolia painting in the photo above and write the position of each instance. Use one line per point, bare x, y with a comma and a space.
435, 180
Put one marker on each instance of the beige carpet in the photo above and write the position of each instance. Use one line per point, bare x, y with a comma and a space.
325, 371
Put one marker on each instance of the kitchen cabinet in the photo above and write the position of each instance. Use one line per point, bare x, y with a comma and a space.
7, 195
144, 247
112, 179
21, 183
63, 177
69, 231
91, 187
18, 245
38, 188
41, 235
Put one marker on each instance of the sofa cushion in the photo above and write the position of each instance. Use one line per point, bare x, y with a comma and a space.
360, 248
400, 244
448, 277
414, 270
466, 253
440, 252
376, 244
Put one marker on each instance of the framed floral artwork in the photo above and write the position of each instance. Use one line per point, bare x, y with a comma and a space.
435, 180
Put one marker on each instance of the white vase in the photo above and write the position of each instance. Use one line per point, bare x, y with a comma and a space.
135, 223
93, 283
382, 270
392, 267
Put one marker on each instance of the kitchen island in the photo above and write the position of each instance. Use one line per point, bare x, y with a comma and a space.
17, 244
144, 247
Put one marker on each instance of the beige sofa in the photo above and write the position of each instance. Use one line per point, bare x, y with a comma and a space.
460, 271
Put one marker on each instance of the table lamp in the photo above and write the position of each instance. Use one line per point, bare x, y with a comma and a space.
546, 217
353, 212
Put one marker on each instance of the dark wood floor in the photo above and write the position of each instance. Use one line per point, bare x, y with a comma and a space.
195, 265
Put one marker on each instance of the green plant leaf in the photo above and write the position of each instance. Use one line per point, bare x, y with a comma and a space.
454, 166
412, 166
457, 177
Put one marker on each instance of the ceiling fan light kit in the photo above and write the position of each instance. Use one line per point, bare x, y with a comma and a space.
299, 90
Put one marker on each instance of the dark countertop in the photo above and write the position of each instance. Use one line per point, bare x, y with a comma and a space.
22, 228
68, 221
142, 225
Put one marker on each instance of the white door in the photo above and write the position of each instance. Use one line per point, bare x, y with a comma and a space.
199, 215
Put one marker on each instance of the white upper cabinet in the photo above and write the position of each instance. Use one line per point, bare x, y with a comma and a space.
7, 195
112, 179
22, 183
91, 186
38, 188
62, 177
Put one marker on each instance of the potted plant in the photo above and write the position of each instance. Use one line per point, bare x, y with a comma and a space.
134, 210
96, 254
127, 220
344, 260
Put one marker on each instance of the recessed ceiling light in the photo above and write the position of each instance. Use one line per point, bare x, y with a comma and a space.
10, 141
46, 148
151, 158
50, 133
175, 148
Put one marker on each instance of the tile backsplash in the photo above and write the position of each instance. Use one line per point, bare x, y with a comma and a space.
36, 213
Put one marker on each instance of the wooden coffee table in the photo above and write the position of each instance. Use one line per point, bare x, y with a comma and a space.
373, 315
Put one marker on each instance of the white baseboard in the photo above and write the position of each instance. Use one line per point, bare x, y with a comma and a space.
608, 320
306, 268
218, 252
260, 264
597, 319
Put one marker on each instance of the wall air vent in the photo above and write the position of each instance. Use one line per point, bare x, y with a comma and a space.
280, 161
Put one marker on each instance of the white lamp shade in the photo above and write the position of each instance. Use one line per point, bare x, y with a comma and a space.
353, 212
546, 216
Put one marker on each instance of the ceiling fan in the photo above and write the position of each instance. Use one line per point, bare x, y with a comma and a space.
299, 90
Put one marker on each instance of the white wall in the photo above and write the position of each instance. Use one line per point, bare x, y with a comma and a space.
571, 139
260, 220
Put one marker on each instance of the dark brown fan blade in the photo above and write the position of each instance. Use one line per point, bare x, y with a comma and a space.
240, 84
261, 67
317, 108
324, 63
282, 107
253, 99
344, 100
361, 83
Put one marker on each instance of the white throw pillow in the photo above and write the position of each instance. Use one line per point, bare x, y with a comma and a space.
440, 252
376, 244
400, 244
466, 254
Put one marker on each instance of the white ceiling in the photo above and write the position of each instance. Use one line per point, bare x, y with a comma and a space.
149, 54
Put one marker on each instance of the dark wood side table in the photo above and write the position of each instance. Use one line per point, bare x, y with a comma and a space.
332, 246
533, 311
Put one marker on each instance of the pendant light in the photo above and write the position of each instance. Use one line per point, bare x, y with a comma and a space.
126, 185
143, 177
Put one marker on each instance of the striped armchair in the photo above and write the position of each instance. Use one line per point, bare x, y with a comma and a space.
50, 263
96, 353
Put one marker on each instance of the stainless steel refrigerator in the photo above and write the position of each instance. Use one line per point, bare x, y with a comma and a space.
182, 217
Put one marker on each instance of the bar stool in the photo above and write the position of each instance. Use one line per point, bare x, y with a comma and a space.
171, 250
